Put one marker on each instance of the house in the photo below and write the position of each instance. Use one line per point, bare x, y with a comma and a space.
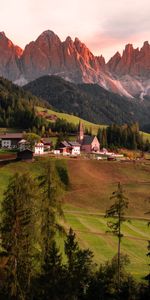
26, 154
74, 148
39, 148
23, 144
10, 140
70, 148
47, 143
88, 143
64, 148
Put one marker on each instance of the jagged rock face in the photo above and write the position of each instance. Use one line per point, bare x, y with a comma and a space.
71, 60
126, 75
9, 58
43, 56
133, 62
113, 62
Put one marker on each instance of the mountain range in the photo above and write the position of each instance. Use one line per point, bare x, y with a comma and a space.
127, 74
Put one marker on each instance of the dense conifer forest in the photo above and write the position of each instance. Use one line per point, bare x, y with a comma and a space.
90, 101
17, 107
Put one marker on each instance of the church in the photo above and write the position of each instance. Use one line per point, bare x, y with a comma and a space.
88, 143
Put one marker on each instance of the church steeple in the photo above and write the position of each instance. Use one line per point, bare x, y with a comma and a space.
80, 132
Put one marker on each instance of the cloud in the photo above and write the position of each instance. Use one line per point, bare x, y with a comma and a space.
126, 25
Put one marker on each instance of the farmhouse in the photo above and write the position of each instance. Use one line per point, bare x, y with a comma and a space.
39, 148
10, 140
23, 144
69, 148
26, 154
47, 143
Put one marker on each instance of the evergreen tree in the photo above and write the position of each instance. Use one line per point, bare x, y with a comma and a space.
51, 192
117, 210
49, 285
17, 234
80, 268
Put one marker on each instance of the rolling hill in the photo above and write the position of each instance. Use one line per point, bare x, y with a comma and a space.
89, 101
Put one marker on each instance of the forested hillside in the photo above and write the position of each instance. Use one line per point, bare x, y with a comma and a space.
90, 101
17, 107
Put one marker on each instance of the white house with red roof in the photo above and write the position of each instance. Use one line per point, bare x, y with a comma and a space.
70, 148
39, 149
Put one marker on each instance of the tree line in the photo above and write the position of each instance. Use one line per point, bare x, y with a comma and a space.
127, 136
31, 263
17, 107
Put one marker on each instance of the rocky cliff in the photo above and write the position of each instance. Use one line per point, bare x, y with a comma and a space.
127, 74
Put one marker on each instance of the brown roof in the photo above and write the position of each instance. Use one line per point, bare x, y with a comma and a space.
11, 136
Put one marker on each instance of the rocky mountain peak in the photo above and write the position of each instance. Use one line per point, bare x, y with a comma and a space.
113, 62
9, 55
129, 48
72, 60
2, 34
146, 44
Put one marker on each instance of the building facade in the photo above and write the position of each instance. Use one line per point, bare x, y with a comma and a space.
39, 148
10, 140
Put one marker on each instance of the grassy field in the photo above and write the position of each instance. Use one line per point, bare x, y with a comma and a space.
85, 202
74, 119
91, 233
92, 183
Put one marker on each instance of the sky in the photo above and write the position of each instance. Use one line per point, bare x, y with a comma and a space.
105, 26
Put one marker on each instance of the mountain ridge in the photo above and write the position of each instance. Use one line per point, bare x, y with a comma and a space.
126, 74
89, 101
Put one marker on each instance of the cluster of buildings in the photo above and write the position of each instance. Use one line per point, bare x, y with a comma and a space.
17, 141
84, 143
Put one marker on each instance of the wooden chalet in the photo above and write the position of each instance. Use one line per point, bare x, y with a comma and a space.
70, 148
26, 154
10, 140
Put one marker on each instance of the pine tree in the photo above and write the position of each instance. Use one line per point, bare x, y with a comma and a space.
51, 209
71, 249
117, 210
17, 234
49, 284
80, 267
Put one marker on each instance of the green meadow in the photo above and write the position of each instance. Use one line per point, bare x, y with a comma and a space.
91, 232
91, 185
74, 119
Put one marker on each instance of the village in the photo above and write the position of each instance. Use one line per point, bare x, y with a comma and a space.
82, 146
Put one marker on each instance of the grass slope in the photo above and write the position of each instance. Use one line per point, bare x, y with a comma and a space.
73, 119
92, 183
91, 233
